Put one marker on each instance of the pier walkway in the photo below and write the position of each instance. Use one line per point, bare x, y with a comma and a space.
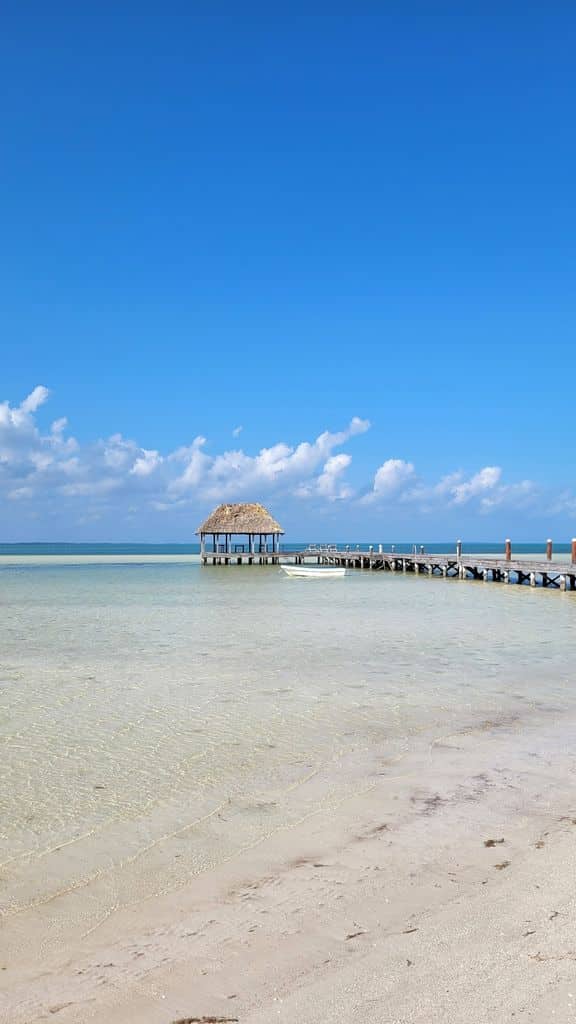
526, 571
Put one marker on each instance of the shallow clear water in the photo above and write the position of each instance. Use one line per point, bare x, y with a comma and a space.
158, 717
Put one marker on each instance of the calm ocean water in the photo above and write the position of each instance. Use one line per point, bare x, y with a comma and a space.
488, 547
157, 717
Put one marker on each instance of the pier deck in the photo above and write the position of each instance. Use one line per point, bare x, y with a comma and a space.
532, 572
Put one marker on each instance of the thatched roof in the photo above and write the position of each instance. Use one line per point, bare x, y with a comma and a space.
243, 518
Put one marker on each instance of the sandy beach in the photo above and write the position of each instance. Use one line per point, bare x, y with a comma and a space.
441, 891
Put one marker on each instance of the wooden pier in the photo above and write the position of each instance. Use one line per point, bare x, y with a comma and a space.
528, 572
246, 534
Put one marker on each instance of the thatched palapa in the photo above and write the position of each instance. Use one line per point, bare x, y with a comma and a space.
249, 519
244, 518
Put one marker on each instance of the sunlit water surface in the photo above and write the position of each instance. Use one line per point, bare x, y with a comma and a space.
158, 717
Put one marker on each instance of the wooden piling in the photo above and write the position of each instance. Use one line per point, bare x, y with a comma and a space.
573, 555
508, 553
549, 550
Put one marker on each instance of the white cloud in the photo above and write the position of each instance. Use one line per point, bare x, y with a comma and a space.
196, 463
44, 473
59, 426
396, 482
328, 484
146, 463
237, 431
389, 479
35, 399
279, 467
481, 482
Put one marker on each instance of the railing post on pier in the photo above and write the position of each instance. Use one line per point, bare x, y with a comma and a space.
458, 549
549, 550
508, 554
573, 555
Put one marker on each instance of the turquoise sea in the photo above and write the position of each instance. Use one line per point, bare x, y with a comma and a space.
157, 717
488, 547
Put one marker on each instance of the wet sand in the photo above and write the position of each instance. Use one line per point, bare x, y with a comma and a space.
441, 890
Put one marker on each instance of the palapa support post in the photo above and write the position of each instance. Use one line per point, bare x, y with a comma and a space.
549, 550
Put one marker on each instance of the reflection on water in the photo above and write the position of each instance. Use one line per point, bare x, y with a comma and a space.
156, 718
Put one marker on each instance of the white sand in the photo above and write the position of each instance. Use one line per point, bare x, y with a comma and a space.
388, 909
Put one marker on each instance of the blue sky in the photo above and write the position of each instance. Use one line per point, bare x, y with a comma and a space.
348, 232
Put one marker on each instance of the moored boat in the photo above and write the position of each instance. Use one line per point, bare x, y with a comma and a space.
324, 571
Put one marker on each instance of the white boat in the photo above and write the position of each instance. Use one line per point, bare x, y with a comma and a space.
327, 571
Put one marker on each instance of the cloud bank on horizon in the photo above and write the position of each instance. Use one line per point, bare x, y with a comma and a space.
40, 470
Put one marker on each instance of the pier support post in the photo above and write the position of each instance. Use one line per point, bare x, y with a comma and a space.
562, 583
549, 550
416, 568
445, 571
485, 575
506, 576
532, 579
403, 565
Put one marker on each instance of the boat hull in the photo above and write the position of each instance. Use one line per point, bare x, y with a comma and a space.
314, 572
